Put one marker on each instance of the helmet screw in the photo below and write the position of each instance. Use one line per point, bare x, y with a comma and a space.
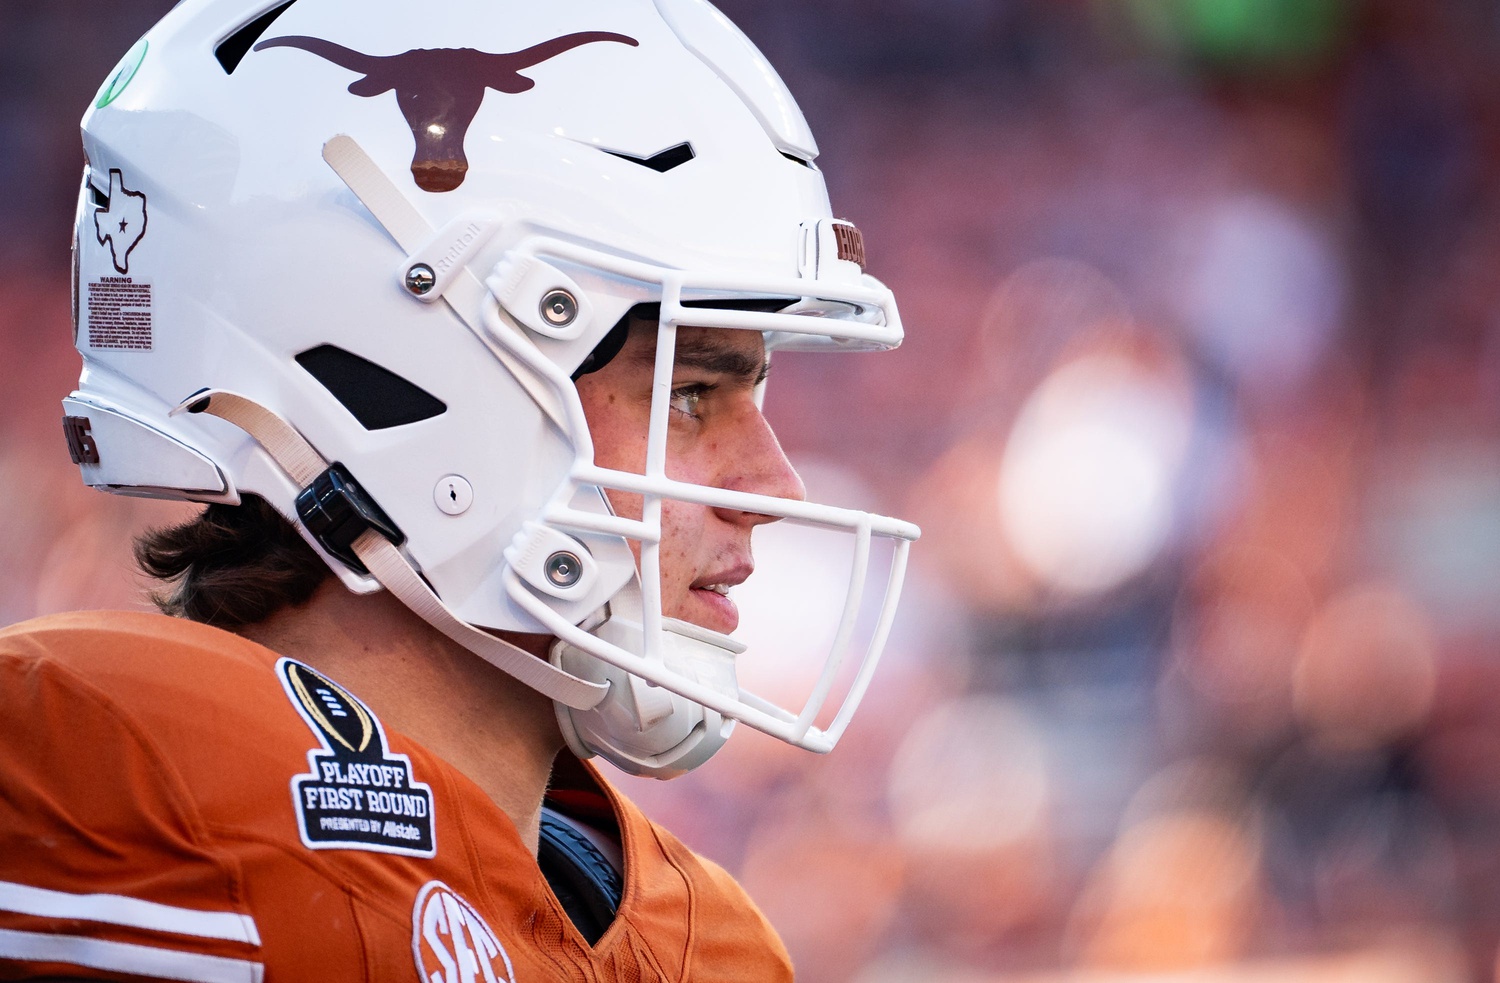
563, 569
420, 279
559, 308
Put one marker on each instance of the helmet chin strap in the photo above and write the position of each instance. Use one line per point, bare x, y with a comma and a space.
642, 728
302, 463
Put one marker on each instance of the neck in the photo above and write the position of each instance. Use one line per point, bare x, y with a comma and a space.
500, 734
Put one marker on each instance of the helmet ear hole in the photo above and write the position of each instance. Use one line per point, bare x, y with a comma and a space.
377, 397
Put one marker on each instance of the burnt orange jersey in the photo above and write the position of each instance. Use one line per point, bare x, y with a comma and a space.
179, 803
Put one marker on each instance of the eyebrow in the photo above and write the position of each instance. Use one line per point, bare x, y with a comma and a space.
703, 353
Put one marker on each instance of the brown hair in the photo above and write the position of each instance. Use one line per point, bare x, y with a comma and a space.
230, 565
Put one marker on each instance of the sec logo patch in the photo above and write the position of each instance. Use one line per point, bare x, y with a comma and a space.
451, 942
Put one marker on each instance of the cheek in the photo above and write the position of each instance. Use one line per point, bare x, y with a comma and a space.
617, 426
682, 526
617, 447
683, 534
626, 504
683, 530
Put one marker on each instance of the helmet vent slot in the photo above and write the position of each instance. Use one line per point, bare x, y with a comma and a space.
797, 160
662, 161
234, 47
377, 397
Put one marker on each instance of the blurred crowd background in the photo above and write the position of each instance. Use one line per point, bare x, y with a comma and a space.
1197, 677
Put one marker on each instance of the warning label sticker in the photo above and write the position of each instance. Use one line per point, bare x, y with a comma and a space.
119, 313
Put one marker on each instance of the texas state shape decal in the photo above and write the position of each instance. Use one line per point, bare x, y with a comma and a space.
121, 222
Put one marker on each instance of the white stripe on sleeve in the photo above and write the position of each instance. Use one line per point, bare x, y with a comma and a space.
115, 909
125, 957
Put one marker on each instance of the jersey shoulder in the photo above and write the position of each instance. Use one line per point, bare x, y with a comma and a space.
134, 657
105, 847
186, 710
148, 823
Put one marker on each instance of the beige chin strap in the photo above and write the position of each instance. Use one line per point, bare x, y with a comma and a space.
291, 451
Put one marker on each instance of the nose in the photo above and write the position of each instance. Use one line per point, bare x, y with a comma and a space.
759, 466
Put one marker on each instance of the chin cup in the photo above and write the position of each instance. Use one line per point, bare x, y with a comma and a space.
642, 728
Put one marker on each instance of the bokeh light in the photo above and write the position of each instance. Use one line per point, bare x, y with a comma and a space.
1365, 672
1088, 481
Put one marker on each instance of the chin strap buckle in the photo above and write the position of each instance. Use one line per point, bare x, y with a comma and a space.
350, 526
336, 510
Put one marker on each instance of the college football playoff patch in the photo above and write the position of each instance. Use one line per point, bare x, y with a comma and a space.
358, 796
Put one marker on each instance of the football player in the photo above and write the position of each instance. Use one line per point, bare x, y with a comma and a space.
458, 317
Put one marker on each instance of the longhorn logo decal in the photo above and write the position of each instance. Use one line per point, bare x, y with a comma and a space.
439, 90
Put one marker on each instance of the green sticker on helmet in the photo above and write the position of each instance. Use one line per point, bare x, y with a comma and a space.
123, 73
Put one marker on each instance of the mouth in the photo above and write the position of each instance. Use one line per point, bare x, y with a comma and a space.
711, 604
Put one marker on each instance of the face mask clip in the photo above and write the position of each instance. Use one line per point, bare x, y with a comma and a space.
432, 268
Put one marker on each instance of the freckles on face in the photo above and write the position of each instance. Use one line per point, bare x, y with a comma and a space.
716, 437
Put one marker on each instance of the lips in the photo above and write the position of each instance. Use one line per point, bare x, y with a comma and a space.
709, 601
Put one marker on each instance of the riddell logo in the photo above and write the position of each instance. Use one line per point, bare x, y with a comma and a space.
439, 90
452, 943
460, 246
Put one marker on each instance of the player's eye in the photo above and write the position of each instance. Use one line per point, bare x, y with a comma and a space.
686, 399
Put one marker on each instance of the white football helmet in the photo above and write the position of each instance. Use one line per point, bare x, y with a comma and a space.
348, 256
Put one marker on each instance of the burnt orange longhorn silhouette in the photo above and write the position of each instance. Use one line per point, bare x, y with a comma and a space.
439, 90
